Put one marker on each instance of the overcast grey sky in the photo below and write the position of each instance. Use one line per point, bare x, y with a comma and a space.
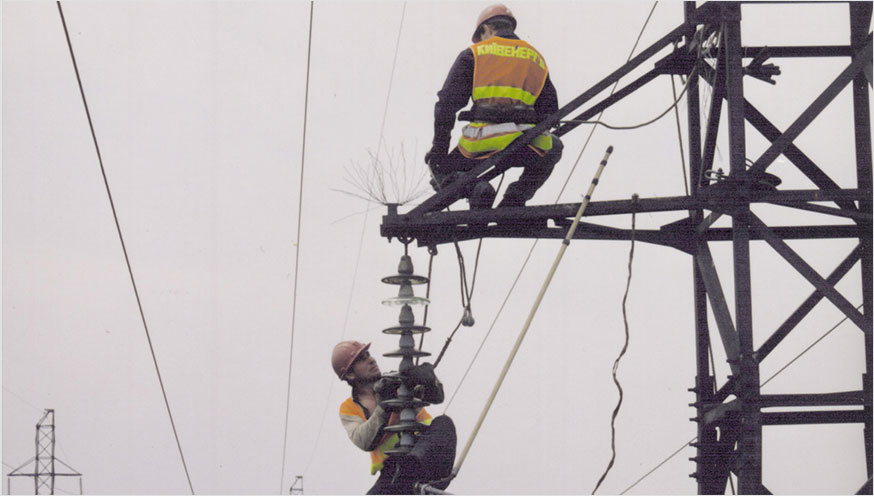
199, 111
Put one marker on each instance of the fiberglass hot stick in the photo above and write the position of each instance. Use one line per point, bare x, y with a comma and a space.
565, 243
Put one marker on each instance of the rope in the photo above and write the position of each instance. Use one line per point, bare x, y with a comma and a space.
123, 246
537, 301
621, 354
297, 250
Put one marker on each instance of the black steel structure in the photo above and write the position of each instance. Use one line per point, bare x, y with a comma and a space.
45, 461
709, 50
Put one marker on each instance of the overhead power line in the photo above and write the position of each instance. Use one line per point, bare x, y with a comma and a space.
297, 249
123, 246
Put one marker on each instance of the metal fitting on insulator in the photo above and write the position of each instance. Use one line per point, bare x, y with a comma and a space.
467, 319
406, 265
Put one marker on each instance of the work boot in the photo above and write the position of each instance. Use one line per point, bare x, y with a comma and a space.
482, 196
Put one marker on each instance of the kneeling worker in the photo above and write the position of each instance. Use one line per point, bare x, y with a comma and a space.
509, 83
364, 420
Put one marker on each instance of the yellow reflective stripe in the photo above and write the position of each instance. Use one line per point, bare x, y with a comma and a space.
489, 144
377, 456
501, 141
504, 92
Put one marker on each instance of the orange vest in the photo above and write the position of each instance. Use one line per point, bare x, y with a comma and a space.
388, 440
506, 72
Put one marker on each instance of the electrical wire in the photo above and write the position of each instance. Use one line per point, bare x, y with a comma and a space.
297, 248
380, 140
642, 124
621, 354
123, 245
675, 453
806, 349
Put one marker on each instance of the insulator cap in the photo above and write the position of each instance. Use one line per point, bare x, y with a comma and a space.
405, 427
398, 403
406, 353
413, 329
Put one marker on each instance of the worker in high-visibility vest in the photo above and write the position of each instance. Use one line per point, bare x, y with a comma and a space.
509, 83
364, 420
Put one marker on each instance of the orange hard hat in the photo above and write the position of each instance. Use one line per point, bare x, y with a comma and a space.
344, 356
490, 12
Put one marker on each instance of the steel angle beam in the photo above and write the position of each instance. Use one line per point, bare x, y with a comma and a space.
796, 156
814, 417
810, 274
800, 51
819, 104
798, 315
719, 306
846, 398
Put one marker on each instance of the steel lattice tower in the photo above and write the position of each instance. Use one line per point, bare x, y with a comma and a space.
730, 415
44, 461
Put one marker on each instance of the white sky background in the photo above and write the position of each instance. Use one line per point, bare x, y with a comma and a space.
198, 109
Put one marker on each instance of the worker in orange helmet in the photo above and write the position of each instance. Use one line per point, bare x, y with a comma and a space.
364, 419
509, 83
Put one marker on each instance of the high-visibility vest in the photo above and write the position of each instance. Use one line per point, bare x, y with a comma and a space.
506, 72
389, 440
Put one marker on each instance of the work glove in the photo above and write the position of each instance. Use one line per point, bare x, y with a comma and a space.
423, 375
386, 388
435, 158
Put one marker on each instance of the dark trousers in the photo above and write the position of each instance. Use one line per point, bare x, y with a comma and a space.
536, 171
431, 459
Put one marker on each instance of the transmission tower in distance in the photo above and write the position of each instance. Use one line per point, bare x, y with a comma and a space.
297, 486
44, 462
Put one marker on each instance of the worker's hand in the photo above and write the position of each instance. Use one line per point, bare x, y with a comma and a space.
420, 375
386, 388
435, 158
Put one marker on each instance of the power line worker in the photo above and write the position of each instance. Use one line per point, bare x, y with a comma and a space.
509, 83
364, 420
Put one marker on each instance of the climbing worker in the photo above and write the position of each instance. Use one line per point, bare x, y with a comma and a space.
509, 83
364, 419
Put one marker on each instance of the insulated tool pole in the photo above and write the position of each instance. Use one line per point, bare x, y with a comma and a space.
565, 243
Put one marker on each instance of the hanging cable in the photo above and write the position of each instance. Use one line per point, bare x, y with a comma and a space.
634, 199
642, 124
466, 293
600, 114
297, 248
123, 246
